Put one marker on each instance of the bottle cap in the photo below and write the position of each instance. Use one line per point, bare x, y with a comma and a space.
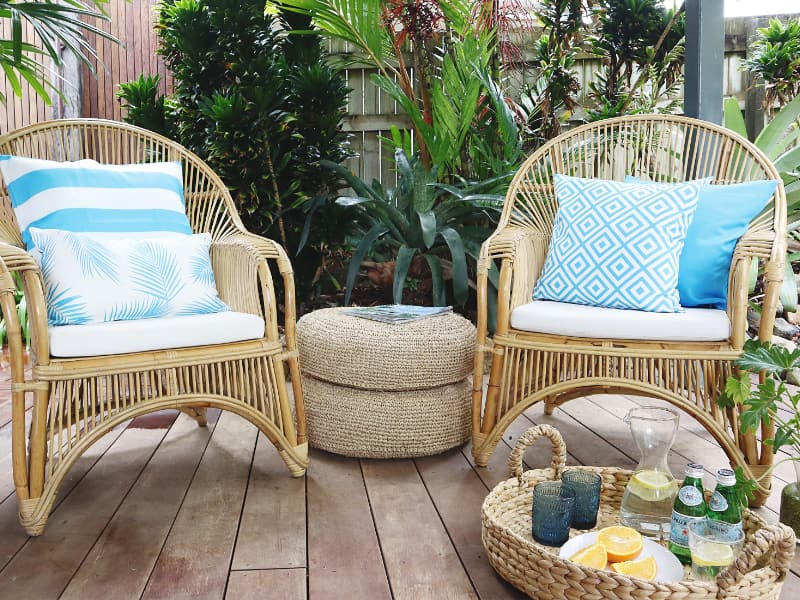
694, 470
726, 477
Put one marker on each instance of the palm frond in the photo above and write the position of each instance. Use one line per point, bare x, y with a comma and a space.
94, 258
65, 309
143, 308
200, 269
204, 306
154, 271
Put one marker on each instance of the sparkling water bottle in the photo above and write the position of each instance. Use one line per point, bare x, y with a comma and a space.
688, 510
724, 509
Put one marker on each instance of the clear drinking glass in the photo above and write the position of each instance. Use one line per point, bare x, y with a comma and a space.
712, 551
553, 503
586, 486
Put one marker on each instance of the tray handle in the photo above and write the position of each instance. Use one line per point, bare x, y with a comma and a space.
778, 537
559, 450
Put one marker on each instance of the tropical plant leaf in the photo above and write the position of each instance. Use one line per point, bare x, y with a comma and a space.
769, 140
427, 223
363, 247
737, 390
732, 117
437, 279
788, 294
403, 261
773, 359
459, 260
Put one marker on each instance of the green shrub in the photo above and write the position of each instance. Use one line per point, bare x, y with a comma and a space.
261, 109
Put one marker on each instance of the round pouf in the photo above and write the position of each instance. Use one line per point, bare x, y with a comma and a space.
379, 390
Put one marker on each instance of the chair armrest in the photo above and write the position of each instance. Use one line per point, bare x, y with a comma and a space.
763, 245
244, 280
14, 259
522, 253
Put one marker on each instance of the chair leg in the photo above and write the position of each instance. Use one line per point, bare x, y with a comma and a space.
198, 413
550, 405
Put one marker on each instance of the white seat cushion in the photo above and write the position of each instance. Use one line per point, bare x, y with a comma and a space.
575, 320
123, 337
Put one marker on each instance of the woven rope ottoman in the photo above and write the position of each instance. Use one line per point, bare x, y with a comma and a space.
378, 390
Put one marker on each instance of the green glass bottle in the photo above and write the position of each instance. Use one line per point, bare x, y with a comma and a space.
689, 508
724, 509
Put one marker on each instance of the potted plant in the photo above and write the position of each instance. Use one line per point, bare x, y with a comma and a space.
773, 404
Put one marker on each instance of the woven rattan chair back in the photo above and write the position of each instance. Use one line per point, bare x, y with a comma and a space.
77, 401
529, 367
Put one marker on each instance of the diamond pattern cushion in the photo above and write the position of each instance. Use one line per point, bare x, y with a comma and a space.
723, 214
617, 244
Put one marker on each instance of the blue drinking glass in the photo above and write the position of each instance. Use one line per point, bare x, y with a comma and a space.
586, 486
552, 512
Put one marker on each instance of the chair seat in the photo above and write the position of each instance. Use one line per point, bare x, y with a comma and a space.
576, 320
123, 337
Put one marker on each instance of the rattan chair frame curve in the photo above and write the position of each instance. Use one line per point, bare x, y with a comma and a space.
528, 367
76, 401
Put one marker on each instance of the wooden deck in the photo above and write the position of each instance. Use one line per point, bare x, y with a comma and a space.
164, 509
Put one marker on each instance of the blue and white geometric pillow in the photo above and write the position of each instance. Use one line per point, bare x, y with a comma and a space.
616, 244
89, 280
113, 201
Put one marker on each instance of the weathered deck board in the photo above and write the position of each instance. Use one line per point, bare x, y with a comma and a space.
195, 559
44, 566
147, 509
344, 556
124, 555
419, 556
273, 584
457, 492
272, 534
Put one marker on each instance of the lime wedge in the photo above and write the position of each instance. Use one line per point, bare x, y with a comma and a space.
710, 554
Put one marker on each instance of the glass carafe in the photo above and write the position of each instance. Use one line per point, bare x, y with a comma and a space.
650, 493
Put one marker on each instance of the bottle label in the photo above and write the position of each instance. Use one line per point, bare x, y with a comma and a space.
690, 495
679, 528
718, 503
728, 532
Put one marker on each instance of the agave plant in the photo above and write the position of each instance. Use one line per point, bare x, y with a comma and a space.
440, 223
780, 141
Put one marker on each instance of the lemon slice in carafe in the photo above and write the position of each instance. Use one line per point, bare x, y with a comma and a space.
651, 485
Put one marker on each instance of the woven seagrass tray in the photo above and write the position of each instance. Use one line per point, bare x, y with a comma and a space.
758, 572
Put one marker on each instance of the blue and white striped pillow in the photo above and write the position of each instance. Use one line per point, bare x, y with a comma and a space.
140, 200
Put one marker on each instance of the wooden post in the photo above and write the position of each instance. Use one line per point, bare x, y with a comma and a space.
67, 79
705, 45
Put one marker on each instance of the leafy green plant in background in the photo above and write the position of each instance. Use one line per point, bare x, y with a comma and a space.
640, 44
263, 109
422, 218
22, 315
770, 406
56, 24
775, 60
780, 141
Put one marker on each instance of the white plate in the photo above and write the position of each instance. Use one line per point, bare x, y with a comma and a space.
670, 568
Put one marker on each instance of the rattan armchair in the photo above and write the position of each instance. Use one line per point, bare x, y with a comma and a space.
78, 400
528, 367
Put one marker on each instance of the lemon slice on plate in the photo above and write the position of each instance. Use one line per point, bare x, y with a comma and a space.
646, 568
591, 556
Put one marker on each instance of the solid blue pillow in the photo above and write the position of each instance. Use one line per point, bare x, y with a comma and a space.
722, 216
617, 244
